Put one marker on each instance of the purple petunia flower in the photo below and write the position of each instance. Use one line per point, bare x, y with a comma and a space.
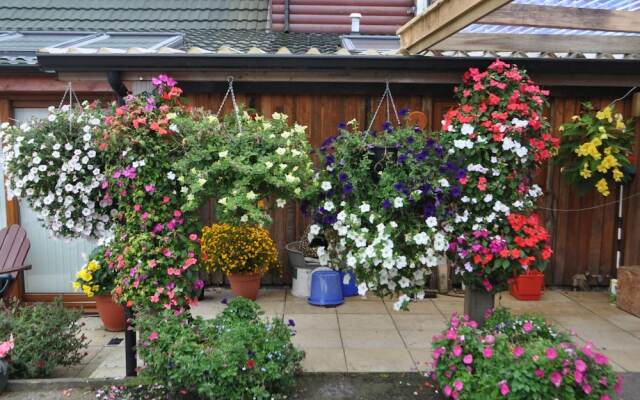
402, 158
399, 186
386, 203
342, 125
421, 156
403, 112
387, 126
410, 140
455, 191
224, 301
347, 189
343, 177
291, 323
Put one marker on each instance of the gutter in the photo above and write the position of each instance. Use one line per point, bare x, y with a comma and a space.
303, 62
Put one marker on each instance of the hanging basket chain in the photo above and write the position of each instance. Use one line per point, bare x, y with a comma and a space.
72, 96
233, 102
388, 98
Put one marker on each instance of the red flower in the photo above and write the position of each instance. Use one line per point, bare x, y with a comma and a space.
251, 363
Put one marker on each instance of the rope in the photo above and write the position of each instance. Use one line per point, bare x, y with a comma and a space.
233, 101
386, 96
588, 208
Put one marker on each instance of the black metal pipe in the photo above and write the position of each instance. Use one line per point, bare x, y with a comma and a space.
119, 88
286, 16
131, 362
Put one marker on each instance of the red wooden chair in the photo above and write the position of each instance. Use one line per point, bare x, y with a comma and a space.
14, 247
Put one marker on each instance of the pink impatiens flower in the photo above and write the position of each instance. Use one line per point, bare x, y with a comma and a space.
504, 388
556, 378
517, 351
527, 327
487, 352
153, 336
468, 359
580, 365
457, 351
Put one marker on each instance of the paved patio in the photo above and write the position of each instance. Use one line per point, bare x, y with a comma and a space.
367, 335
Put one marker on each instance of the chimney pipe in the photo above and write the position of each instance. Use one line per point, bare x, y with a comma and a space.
355, 23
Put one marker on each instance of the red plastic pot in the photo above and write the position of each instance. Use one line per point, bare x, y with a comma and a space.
528, 286
111, 313
245, 285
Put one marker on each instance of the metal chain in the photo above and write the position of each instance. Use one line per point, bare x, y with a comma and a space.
386, 96
233, 102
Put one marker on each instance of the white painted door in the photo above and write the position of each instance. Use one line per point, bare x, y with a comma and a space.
55, 261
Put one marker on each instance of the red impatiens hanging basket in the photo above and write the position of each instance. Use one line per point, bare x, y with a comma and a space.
528, 286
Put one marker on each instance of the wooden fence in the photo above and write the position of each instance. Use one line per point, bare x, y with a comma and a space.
583, 241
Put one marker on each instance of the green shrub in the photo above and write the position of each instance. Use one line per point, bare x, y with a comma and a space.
238, 355
46, 336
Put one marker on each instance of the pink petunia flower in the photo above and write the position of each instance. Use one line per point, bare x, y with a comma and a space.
527, 327
580, 365
468, 359
153, 336
458, 385
551, 353
457, 351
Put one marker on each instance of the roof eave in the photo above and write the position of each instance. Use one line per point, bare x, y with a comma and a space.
166, 62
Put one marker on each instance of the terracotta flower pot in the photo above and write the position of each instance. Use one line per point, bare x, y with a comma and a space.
245, 285
111, 313
528, 286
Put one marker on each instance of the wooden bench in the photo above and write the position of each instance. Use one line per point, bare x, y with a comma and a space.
14, 248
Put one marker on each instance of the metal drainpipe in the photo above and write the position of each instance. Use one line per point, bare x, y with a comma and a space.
286, 16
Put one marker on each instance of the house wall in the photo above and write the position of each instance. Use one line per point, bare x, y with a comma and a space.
379, 17
583, 241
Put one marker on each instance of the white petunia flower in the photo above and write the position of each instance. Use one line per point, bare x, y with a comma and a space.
326, 186
280, 203
398, 202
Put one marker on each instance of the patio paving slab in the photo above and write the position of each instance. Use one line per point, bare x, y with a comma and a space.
367, 335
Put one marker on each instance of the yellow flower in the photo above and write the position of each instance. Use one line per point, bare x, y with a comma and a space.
585, 173
76, 285
607, 163
605, 113
93, 265
620, 124
603, 187
617, 175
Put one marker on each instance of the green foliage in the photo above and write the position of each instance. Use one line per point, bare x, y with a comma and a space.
46, 336
238, 355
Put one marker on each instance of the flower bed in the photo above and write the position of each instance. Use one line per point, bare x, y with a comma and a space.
237, 355
518, 357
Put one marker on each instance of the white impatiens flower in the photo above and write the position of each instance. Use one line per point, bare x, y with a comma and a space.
398, 202
326, 186
251, 195
222, 201
268, 164
431, 222
487, 198
365, 208
280, 203
171, 175
281, 151
314, 230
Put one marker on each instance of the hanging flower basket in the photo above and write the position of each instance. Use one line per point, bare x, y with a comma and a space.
528, 286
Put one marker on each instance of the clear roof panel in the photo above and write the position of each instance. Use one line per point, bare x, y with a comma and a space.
621, 5
127, 40
29, 42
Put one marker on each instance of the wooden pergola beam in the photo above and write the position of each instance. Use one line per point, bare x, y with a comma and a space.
564, 18
541, 43
441, 20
